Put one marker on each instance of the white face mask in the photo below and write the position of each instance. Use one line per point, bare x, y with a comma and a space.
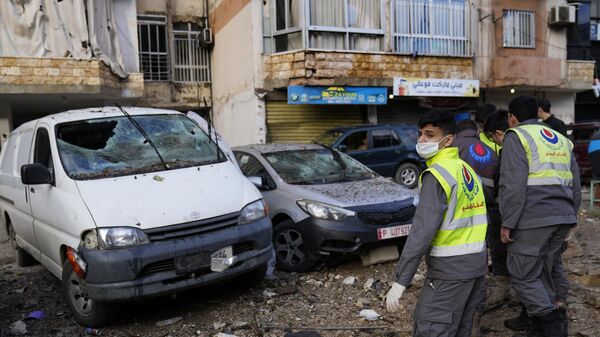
429, 149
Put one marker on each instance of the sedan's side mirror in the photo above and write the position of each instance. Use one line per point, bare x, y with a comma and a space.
35, 174
343, 148
256, 181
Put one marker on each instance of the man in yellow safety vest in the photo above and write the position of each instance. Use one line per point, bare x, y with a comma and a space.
539, 197
449, 227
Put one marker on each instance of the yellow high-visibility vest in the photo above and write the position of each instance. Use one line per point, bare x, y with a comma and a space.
465, 221
548, 154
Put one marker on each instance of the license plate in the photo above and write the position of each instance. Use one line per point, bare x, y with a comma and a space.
219, 260
191, 263
393, 232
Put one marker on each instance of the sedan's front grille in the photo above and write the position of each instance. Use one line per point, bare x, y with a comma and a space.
192, 228
402, 215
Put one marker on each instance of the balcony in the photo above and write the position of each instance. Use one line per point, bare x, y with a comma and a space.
66, 76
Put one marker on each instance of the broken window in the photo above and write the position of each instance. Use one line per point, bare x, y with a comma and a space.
191, 59
153, 47
110, 147
42, 154
321, 166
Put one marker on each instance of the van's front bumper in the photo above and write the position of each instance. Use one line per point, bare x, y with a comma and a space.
150, 270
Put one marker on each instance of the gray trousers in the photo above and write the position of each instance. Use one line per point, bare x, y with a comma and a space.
446, 308
531, 260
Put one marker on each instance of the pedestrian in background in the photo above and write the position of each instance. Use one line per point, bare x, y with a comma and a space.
481, 114
539, 197
549, 119
449, 227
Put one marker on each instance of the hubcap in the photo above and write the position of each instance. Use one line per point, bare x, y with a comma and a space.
288, 247
408, 176
79, 296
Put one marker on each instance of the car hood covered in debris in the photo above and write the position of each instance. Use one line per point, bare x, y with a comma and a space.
356, 193
167, 197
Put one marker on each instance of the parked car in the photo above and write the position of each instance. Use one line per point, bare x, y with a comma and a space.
322, 202
580, 133
127, 206
386, 149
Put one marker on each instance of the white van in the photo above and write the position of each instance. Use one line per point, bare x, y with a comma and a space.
127, 204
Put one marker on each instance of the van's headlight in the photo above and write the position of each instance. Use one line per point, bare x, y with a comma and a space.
253, 211
120, 237
324, 211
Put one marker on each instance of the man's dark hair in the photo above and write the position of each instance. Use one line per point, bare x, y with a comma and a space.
523, 107
467, 124
496, 121
483, 111
439, 118
544, 104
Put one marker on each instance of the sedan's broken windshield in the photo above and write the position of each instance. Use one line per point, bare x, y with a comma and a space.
109, 147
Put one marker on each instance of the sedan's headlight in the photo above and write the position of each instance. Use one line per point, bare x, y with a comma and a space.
253, 211
120, 237
323, 211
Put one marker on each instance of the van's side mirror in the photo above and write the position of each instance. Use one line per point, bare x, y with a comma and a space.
256, 181
35, 174
343, 148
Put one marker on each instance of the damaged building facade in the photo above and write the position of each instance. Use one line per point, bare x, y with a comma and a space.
60, 55
496, 49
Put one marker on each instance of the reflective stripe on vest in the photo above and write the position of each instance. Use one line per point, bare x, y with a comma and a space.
464, 225
548, 155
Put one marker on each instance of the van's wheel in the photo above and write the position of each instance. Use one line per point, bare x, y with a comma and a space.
22, 258
291, 254
407, 175
85, 310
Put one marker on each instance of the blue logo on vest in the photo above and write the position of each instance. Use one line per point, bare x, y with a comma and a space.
479, 153
549, 136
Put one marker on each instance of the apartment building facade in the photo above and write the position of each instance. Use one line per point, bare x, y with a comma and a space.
271, 58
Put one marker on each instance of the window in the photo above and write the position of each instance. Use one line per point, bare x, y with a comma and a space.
42, 154
519, 28
251, 167
346, 25
385, 138
153, 47
431, 27
331, 24
356, 141
191, 61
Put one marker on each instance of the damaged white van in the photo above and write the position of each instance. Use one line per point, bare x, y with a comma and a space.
128, 203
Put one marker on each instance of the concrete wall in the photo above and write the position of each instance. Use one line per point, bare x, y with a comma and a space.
5, 120
177, 7
348, 68
180, 96
239, 110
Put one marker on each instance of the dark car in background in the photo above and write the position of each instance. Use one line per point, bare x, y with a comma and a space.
580, 133
386, 149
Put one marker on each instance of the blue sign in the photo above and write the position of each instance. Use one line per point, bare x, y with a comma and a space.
337, 95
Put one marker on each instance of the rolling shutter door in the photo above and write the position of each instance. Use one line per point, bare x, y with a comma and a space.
303, 123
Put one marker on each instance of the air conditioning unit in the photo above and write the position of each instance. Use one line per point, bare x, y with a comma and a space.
206, 38
562, 16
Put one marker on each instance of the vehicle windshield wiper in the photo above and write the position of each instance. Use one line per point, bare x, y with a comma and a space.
336, 156
143, 132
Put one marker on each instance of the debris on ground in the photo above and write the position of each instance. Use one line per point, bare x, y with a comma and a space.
37, 315
18, 328
369, 314
349, 280
169, 321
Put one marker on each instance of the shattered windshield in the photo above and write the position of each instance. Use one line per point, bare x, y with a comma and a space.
318, 166
110, 147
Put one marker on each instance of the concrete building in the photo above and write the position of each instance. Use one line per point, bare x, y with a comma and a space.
56, 56
263, 48
523, 51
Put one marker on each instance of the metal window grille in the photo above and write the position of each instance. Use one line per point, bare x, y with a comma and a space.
519, 28
191, 61
425, 27
153, 47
